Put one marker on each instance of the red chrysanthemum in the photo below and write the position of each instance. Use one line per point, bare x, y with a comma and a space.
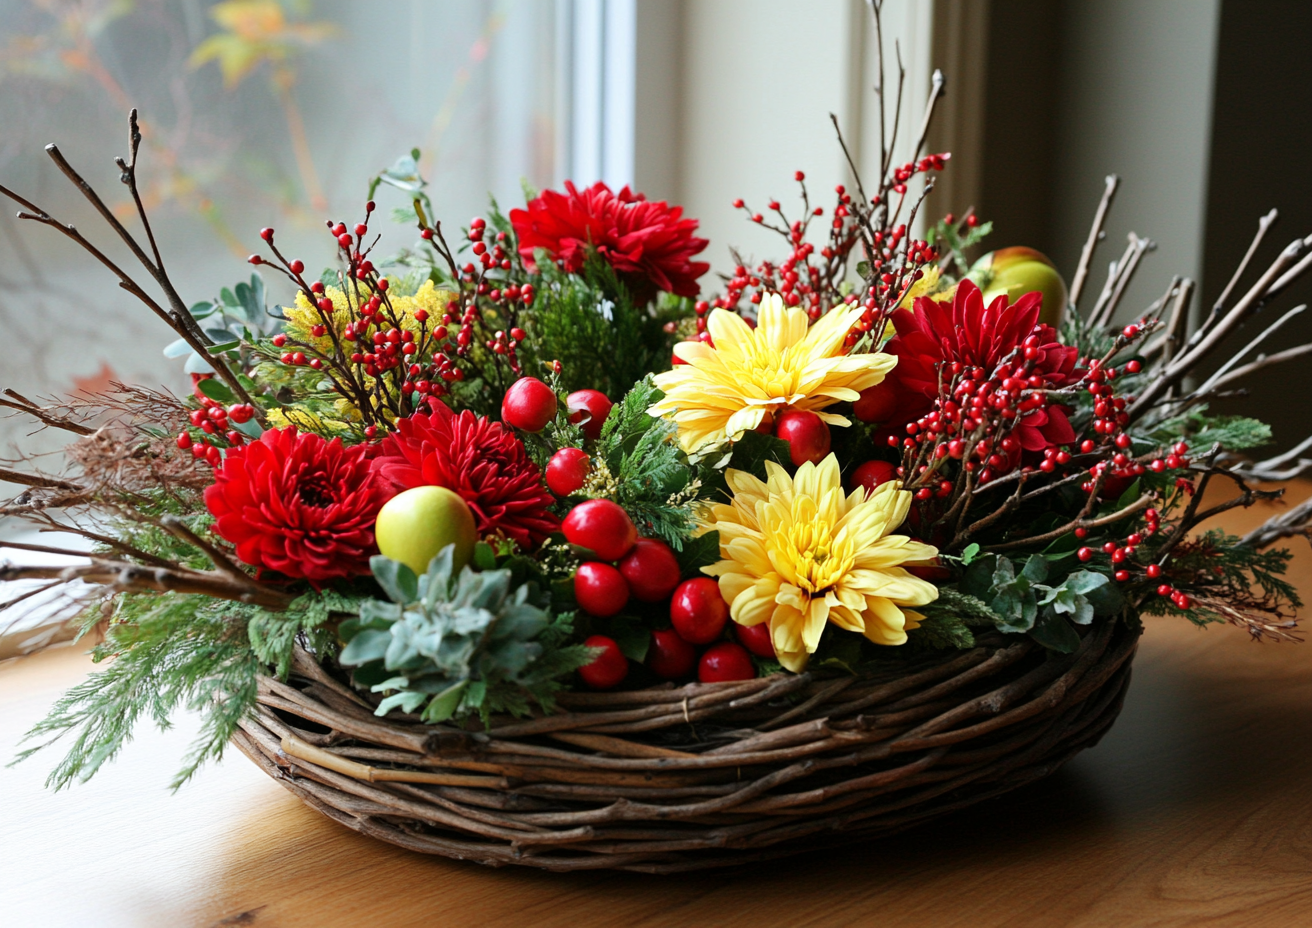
298, 504
648, 243
981, 338
479, 460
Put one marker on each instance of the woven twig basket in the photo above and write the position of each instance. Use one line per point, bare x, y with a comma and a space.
705, 775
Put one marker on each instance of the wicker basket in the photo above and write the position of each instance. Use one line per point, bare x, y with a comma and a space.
705, 775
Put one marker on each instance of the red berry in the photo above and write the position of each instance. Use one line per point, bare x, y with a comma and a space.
877, 404
698, 611
600, 589
806, 434
1084, 554
602, 527
529, 405
184, 440
591, 407
755, 638
567, 471
609, 668
651, 570
725, 663
669, 656
871, 474
1153, 571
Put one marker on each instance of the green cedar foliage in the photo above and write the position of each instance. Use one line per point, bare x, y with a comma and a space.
651, 472
168, 652
590, 324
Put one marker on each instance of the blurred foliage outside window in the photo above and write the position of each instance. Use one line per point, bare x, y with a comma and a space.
255, 113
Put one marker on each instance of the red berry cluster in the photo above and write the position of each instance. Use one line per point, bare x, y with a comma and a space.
646, 570
973, 418
376, 344
214, 420
811, 277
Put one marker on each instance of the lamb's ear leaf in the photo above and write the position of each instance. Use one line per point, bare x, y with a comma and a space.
397, 580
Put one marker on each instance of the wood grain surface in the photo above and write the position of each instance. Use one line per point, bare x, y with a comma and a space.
1195, 810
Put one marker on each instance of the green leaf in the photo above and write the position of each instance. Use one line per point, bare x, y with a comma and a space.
697, 553
229, 298
631, 635
484, 557
197, 365
968, 554
369, 645
250, 428
1036, 569
225, 346
246, 297
1055, 633
177, 349
752, 451
218, 391
445, 703
202, 310
397, 579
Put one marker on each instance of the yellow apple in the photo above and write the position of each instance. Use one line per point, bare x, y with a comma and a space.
1017, 271
417, 523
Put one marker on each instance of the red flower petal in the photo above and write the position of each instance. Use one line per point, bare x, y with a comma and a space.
649, 244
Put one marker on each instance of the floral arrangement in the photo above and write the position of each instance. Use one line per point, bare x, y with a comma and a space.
538, 454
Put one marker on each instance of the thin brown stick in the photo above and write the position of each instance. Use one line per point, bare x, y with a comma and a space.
1138, 505
135, 578
36, 480
1111, 182
24, 405
1263, 224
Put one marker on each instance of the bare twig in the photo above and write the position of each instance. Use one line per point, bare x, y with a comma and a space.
1138, 505
178, 528
23, 404
1207, 338
1118, 279
36, 480
1285, 525
136, 578
1262, 360
935, 91
1095, 235
1239, 355
1263, 224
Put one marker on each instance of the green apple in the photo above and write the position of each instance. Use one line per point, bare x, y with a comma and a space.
1017, 271
417, 523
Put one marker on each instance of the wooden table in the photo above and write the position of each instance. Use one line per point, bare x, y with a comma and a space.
1195, 809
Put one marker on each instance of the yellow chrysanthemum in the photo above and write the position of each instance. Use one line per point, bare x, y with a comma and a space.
722, 392
797, 553
304, 314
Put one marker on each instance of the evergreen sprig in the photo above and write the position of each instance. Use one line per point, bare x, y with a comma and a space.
652, 474
168, 652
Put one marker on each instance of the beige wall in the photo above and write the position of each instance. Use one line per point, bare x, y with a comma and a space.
735, 95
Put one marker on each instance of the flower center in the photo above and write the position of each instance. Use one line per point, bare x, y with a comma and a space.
807, 544
316, 491
767, 368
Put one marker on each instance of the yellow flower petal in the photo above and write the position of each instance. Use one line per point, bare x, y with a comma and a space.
783, 363
799, 553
